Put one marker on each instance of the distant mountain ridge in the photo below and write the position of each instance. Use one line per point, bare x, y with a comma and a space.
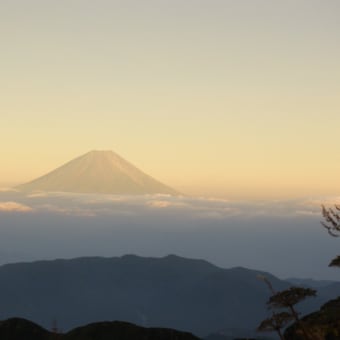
102, 172
172, 292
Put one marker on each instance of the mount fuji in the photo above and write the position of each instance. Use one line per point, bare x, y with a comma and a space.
102, 172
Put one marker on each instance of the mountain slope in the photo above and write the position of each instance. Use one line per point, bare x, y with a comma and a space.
98, 172
18, 329
124, 331
172, 292
322, 324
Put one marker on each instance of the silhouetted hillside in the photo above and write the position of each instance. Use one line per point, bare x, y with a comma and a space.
125, 331
323, 324
21, 329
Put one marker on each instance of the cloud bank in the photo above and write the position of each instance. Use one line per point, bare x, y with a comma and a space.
14, 207
193, 207
283, 237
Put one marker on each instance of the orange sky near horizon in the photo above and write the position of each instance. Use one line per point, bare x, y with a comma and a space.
236, 99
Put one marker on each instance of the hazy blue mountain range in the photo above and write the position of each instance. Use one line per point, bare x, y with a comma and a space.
172, 292
311, 282
98, 172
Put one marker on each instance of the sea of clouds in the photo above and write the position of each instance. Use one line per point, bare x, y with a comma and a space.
282, 237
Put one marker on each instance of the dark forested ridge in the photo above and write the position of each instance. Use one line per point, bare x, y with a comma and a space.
322, 324
21, 329
172, 292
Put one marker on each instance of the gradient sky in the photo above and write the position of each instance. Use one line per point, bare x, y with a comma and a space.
216, 97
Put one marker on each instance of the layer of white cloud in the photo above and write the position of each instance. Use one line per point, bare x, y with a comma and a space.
229, 233
193, 207
14, 207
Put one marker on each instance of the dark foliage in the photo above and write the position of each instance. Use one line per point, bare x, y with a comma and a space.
335, 262
323, 324
285, 299
332, 224
276, 322
331, 220
290, 297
